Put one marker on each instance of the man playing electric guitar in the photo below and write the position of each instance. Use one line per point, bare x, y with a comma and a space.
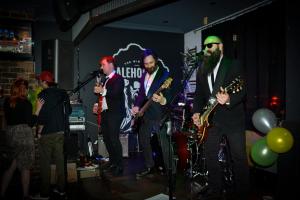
228, 118
151, 80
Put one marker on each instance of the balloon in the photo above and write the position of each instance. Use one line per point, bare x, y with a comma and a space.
262, 154
264, 120
33, 95
280, 140
251, 138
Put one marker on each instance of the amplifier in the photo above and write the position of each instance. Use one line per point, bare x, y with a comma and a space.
75, 119
77, 127
77, 110
102, 148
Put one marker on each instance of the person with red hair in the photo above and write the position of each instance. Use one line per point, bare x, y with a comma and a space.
112, 111
19, 135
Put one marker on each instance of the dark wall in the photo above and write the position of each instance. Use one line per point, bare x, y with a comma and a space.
267, 43
292, 62
257, 39
108, 41
289, 163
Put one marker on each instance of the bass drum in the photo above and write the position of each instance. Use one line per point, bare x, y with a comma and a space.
187, 150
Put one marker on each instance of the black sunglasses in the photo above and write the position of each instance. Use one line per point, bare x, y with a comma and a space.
209, 45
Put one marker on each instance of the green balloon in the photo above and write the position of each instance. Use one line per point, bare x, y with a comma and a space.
31, 96
262, 154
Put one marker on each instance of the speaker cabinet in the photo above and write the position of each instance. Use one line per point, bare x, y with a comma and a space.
102, 148
66, 13
57, 57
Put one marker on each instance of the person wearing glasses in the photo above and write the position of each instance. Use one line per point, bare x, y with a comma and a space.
216, 72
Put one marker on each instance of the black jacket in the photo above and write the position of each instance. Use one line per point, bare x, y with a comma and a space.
155, 110
115, 95
54, 115
225, 115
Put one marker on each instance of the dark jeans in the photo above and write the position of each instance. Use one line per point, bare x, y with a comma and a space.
147, 128
51, 146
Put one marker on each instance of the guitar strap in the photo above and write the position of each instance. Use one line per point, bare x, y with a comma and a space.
100, 102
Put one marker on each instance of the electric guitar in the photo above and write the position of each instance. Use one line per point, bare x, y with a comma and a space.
143, 109
234, 87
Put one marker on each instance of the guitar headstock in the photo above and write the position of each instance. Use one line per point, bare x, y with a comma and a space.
167, 83
235, 86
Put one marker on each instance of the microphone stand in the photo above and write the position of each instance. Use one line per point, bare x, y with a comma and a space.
82, 84
166, 119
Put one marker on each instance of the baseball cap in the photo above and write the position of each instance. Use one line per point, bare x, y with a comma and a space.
46, 76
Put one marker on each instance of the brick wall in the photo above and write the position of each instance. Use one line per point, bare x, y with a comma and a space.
10, 70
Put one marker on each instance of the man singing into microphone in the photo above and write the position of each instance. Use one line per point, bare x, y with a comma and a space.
228, 118
112, 111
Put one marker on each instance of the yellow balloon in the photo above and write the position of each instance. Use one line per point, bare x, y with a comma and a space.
280, 140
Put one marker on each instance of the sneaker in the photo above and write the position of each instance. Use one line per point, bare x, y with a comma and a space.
56, 191
146, 172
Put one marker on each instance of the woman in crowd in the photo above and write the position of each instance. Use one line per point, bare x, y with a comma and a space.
19, 135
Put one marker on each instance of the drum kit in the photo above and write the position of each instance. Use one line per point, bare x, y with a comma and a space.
191, 154
187, 149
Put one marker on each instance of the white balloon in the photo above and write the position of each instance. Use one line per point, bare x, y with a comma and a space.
264, 120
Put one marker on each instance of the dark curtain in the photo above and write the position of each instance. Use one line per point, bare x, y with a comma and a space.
257, 39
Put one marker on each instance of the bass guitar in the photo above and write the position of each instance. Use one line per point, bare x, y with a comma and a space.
137, 117
234, 87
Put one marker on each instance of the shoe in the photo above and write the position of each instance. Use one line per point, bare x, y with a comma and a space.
59, 194
39, 197
146, 172
211, 195
117, 171
105, 165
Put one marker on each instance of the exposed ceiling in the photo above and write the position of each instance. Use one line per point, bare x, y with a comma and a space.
180, 16
184, 15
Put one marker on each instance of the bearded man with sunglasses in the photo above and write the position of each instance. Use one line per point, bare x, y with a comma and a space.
228, 118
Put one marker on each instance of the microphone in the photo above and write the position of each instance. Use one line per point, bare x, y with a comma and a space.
197, 56
169, 127
97, 72
200, 55
186, 54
